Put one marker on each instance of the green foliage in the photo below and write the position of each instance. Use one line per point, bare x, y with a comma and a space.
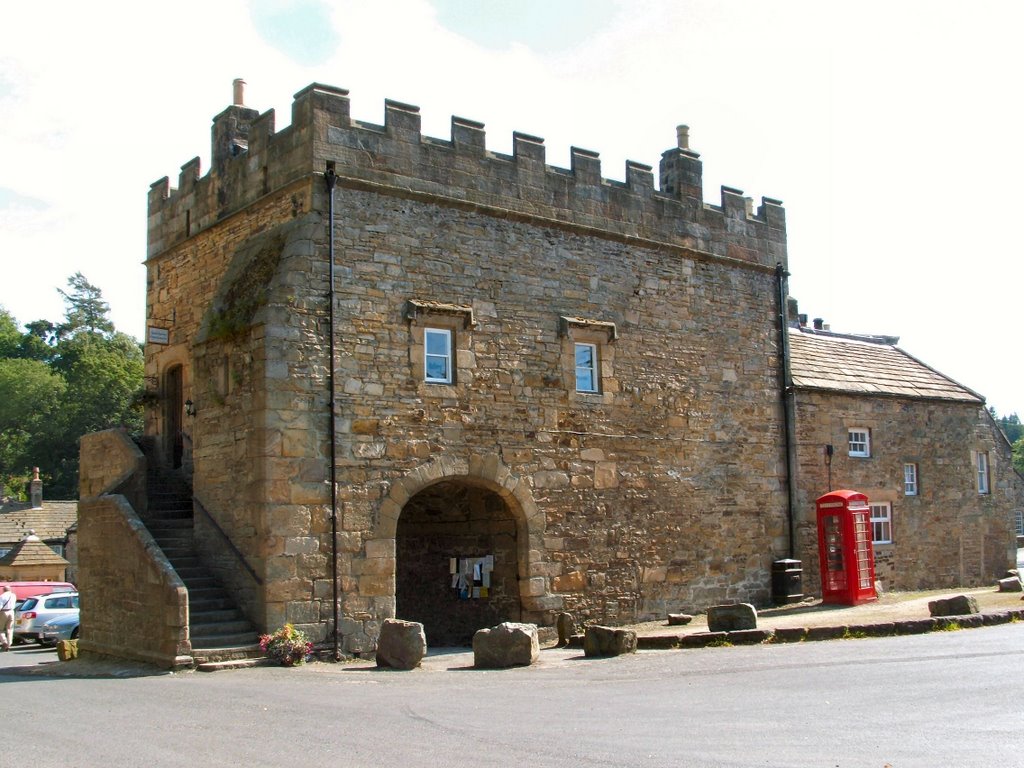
948, 626
1018, 455
1011, 425
59, 382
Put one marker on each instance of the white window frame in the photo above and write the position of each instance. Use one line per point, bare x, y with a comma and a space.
910, 485
446, 356
1018, 522
861, 438
881, 522
982, 467
591, 369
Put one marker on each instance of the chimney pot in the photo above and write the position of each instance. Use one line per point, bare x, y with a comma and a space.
238, 92
819, 323
683, 136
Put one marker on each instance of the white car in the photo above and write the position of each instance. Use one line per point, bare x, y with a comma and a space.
36, 611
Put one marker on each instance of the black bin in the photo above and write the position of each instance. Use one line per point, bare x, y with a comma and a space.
787, 582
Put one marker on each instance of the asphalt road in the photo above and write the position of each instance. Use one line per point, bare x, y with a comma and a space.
950, 699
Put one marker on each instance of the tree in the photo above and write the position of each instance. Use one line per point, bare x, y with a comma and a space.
30, 433
86, 311
61, 381
1018, 455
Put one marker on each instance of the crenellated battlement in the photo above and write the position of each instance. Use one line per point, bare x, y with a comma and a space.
250, 160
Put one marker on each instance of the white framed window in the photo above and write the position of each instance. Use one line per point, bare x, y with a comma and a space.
910, 479
437, 355
586, 367
860, 442
881, 523
982, 467
1018, 522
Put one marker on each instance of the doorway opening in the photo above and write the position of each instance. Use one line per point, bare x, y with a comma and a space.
456, 569
174, 403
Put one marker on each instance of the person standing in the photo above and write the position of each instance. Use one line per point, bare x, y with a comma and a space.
7, 602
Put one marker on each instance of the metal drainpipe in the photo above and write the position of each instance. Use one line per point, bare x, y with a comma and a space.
330, 178
787, 394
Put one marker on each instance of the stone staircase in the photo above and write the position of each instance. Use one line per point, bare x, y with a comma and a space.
218, 629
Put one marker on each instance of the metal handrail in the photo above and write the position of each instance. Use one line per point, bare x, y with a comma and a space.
231, 545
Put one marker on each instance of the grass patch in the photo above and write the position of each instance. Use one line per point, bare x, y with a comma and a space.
948, 626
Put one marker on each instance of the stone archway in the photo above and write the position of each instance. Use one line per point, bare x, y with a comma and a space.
483, 483
456, 568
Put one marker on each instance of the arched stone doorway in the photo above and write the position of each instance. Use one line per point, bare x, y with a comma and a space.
457, 567
174, 403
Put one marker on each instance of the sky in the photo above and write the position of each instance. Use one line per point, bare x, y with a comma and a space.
888, 129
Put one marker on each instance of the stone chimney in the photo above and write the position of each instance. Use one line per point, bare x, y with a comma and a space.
35, 492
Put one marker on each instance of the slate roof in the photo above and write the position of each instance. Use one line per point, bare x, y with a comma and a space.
822, 361
49, 522
31, 551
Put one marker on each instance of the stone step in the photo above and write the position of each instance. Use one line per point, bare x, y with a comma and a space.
227, 640
250, 652
210, 617
200, 581
220, 628
202, 605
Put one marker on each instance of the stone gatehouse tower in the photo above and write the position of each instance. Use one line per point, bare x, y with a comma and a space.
543, 390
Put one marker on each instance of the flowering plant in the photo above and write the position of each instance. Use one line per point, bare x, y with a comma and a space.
287, 645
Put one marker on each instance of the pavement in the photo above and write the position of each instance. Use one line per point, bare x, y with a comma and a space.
891, 613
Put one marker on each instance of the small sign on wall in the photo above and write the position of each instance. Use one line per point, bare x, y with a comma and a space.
158, 335
471, 576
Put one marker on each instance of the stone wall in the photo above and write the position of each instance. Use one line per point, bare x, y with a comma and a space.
133, 604
110, 462
948, 534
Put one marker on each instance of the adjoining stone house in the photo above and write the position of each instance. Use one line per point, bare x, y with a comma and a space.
937, 470
50, 523
551, 391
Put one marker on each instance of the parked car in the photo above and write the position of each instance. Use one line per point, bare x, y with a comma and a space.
36, 611
61, 628
26, 589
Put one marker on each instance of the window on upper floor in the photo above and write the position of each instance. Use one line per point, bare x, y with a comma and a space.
983, 472
588, 354
910, 479
881, 523
437, 355
860, 442
586, 367
440, 335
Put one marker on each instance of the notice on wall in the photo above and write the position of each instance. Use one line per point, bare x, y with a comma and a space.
471, 576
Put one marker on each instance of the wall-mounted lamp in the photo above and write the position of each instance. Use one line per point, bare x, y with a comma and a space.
190, 409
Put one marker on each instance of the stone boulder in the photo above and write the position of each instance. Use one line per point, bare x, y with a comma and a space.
961, 605
509, 644
67, 650
1010, 584
401, 645
730, 618
566, 628
679, 619
608, 641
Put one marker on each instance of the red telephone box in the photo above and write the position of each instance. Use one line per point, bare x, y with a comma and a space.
844, 548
